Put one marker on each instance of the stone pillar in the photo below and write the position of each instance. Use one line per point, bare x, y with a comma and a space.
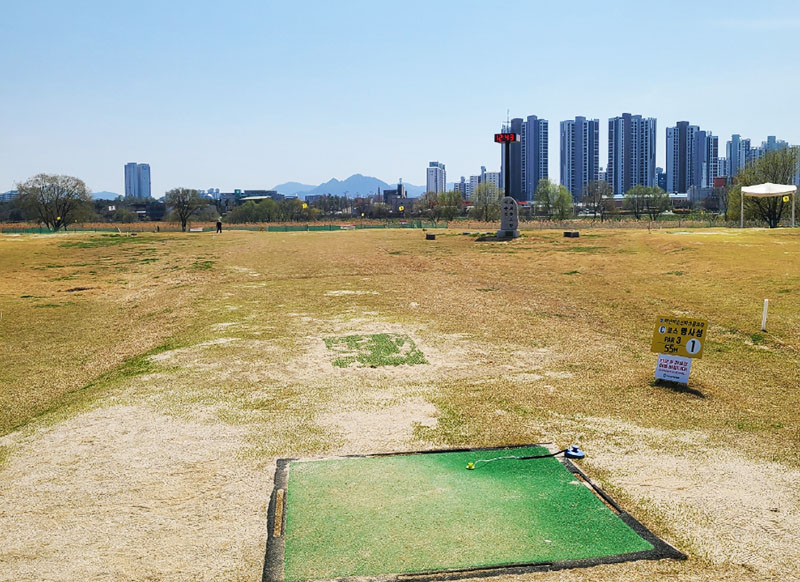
509, 218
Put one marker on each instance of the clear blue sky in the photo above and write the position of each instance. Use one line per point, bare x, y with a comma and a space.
251, 94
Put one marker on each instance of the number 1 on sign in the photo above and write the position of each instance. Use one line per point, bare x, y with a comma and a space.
693, 346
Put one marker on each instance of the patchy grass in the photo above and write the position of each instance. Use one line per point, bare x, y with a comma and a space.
375, 350
222, 335
106, 240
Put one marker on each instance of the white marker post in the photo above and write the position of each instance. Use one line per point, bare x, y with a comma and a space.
764, 316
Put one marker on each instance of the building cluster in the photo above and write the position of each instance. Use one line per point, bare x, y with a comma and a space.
693, 162
437, 180
137, 180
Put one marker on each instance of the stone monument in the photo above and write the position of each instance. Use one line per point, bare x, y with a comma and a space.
509, 218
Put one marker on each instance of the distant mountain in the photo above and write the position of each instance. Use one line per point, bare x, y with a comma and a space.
354, 186
105, 195
292, 188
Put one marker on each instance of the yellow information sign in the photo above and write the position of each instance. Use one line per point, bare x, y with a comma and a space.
679, 336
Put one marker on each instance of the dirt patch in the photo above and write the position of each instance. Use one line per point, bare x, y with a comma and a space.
733, 511
137, 495
387, 429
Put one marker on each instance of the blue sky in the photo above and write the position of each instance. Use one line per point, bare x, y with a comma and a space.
251, 94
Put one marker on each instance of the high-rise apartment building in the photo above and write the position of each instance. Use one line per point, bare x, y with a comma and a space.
710, 169
472, 185
437, 177
492, 178
681, 156
137, 180
737, 152
661, 178
580, 154
692, 157
528, 158
722, 167
461, 188
631, 152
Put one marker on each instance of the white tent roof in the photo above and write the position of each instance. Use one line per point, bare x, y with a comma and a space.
768, 189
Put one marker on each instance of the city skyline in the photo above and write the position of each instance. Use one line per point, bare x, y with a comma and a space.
214, 101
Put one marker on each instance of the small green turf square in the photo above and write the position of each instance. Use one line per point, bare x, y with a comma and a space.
381, 349
425, 512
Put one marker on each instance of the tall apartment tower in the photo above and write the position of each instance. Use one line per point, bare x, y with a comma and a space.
722, 167
437, 177
737, 152
580, 154
528, 158
692, 157
711, 162
631, 152
137, 180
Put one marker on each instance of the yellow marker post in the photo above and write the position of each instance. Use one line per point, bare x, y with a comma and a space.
679, 336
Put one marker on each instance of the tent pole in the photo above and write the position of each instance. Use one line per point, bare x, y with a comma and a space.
794, 203
741, 212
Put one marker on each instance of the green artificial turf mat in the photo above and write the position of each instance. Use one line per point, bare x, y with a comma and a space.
427, 512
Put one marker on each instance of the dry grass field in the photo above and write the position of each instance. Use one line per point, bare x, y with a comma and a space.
148, 383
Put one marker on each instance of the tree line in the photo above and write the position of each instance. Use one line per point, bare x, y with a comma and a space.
57, 201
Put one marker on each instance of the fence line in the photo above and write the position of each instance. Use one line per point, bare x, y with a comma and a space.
142, 228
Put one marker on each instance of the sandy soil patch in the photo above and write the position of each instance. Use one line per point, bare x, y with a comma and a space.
377, 430
137, 495
734, 511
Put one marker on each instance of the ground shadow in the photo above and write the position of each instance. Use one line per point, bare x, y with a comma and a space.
677, 387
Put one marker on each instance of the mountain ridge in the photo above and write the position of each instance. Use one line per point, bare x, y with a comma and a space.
352, 186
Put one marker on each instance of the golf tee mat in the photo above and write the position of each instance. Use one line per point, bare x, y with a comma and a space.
423, 515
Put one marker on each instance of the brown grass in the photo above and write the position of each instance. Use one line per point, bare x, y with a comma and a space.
224, 368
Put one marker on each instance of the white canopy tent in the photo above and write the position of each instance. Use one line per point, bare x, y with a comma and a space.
766, 190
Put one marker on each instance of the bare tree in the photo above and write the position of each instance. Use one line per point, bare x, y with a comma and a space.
56, 200
486, 202
656, 202
184, 202
598, 197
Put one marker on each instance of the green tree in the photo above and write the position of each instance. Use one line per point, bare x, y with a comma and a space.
57, 201
486, 202
184, 202
599, 198
545, 196
125, 215
449, 204
656, 202
778, 167
636, 200
245, 213
563, 206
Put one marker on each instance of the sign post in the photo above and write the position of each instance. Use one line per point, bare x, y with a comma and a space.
677, 341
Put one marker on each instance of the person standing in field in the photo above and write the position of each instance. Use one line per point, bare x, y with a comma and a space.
219, 225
